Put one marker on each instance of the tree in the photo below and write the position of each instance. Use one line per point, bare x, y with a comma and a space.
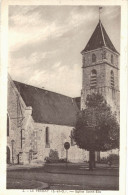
97, 128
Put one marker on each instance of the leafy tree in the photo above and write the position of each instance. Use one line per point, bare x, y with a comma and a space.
97, 128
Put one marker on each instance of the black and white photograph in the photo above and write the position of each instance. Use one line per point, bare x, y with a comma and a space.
63, 98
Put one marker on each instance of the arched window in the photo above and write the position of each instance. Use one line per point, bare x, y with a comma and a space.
93, 80
112, 79
47, 136
93, 57
8, 155
72, 140
111, 59
7, 125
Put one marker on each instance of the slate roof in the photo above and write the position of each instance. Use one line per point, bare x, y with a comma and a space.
99, 39
48, 107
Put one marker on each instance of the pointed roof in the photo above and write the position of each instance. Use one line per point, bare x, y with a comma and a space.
99, 39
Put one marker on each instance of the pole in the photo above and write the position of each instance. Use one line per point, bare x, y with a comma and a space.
12, 141
12, 154
99, 12
66, 158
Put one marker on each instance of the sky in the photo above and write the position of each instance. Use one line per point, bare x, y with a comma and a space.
45, 43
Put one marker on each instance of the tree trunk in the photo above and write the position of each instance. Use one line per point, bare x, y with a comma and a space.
94, 163
91, 160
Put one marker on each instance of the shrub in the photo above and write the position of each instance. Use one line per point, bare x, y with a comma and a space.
104, 160
53, 156
47, 160
113, 158
62, 160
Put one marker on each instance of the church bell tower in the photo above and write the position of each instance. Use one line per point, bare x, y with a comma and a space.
100, 64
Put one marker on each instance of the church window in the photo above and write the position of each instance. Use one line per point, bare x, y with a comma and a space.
93, 57
112, 79
93, 81
7, 125
111, 59
72, 140
47, 136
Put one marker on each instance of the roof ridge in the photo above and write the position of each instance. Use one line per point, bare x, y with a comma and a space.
102, 33
43, 89
109, 43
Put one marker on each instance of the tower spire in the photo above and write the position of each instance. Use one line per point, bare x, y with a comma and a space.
100, 8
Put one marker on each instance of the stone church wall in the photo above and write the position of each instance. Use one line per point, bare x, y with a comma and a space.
19, 120
14, 129
58, 135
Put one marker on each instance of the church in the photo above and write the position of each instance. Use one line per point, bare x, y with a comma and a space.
39, 120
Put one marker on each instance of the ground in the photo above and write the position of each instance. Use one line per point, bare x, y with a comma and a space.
61, 177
